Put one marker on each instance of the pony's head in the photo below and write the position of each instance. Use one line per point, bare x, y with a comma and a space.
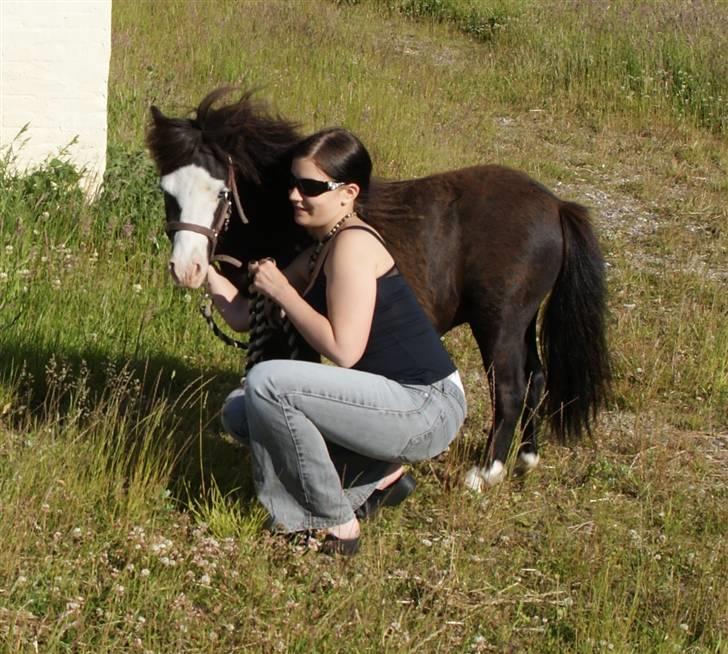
201, 160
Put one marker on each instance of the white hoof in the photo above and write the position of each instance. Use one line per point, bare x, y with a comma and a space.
478, 478
495, 474
474, 479
527, 461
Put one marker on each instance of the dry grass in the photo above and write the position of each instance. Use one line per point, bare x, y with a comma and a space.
128, 524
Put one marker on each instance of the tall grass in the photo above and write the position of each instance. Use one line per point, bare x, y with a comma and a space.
129, 524
645, 59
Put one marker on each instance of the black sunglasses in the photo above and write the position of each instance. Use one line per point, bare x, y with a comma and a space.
313, 187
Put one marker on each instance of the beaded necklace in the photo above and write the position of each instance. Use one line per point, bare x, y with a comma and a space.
320, 245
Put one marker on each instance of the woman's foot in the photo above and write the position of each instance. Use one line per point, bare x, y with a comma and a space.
342, 539
391, 478
347, 530
393, 494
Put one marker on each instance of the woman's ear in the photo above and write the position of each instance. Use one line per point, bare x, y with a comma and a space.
352, 191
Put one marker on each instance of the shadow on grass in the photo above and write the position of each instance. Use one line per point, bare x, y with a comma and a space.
61, 386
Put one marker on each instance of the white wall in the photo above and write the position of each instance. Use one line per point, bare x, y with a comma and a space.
54, 71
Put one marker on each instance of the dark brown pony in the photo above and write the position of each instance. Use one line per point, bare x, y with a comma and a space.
486, 246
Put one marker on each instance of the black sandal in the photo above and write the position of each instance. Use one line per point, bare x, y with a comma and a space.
392, 495
333, 545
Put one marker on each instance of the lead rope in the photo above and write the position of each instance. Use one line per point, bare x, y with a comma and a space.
261, 308
262, 327
206, 311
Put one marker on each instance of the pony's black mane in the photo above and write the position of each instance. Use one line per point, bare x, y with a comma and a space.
245, 130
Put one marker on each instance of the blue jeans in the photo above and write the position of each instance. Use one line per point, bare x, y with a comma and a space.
322, 437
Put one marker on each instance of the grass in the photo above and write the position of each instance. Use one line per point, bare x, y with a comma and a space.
129, 524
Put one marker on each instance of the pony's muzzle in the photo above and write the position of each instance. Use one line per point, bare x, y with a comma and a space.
190, 276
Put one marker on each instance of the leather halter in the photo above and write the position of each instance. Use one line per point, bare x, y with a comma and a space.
220, 223
220, 220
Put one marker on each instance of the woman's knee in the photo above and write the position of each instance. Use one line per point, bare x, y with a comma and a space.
233, 415
268, 380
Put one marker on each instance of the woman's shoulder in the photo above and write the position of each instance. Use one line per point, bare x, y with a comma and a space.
361, 230
359, 245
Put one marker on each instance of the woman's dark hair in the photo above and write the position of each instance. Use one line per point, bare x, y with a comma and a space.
340, 154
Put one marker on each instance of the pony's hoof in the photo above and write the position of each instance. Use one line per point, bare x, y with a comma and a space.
527, 461
478, 478
474, 480
495, 474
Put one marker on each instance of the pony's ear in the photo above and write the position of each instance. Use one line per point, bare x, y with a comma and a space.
157, 115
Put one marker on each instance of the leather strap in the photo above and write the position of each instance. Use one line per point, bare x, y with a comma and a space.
324, 252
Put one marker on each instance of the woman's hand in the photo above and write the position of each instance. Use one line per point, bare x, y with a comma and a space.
269, 280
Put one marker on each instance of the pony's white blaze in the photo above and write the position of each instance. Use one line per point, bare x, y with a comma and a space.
196, 192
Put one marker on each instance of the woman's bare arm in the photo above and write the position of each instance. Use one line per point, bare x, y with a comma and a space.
351, 270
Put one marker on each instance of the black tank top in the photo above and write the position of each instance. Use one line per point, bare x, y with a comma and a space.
403, 345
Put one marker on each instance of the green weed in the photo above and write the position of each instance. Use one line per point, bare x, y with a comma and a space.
128, 524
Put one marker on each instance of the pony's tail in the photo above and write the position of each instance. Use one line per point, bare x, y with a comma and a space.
573, 335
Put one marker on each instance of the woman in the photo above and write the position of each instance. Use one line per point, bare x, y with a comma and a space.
327, 441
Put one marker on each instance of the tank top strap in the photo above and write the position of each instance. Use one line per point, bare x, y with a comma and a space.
320, 265
366, 228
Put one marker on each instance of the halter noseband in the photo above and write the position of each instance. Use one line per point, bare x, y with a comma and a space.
220, 221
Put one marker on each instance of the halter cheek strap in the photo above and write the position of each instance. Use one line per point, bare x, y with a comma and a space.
236, 196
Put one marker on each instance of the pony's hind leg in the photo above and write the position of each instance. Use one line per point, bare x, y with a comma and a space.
508, 392
528, 457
